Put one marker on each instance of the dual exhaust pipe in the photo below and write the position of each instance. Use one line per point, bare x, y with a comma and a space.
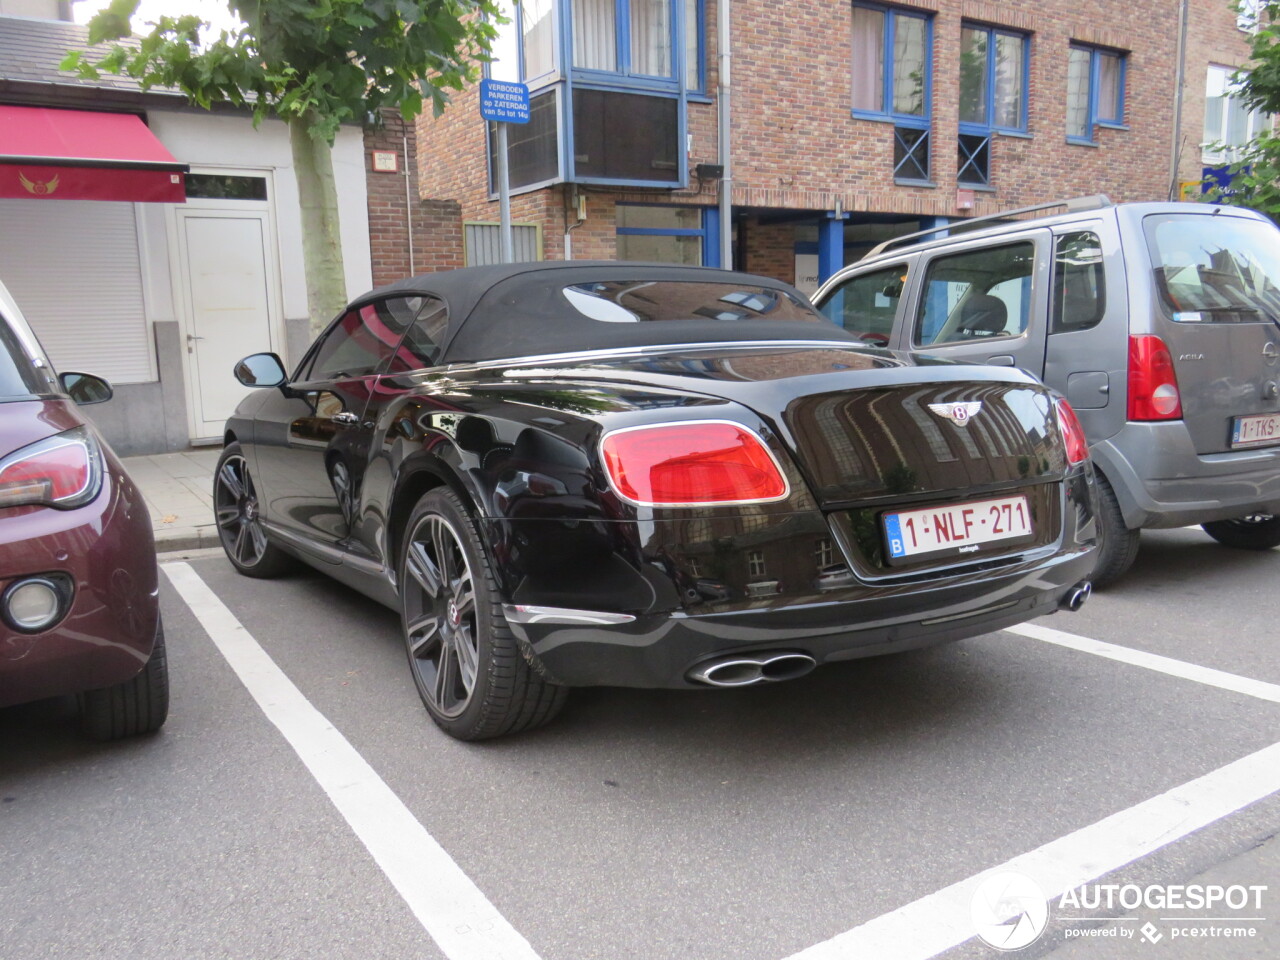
744, 670
1074, 598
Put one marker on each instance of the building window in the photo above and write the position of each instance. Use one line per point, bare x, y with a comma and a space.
642, 48
533, 155
1095, 91
755, 564
661, 234
1249, 14
524, 49
993, 96
1228, 124
695, 46
891, 81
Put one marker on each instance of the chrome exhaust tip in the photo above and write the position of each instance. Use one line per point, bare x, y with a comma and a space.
746, 670
1076, 596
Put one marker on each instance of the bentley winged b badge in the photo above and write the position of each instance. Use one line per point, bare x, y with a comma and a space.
958, 413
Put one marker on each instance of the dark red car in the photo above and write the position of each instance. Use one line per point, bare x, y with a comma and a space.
79, 608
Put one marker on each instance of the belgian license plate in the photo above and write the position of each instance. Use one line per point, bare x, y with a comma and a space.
1255, 430
956, 528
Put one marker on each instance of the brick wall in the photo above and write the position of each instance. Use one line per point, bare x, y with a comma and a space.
796, 146
436, 224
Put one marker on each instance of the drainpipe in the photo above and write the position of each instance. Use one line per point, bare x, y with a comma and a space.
723, 12
1175, 150
408, 206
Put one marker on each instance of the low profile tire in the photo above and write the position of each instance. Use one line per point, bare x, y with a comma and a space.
237, 513
468, 668
1259, 532
1118, 545
139, 705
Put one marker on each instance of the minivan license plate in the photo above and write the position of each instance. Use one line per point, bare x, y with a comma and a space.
1255, 430
956, 528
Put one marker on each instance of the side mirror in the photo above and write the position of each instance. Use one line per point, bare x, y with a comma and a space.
85, 388
261, 370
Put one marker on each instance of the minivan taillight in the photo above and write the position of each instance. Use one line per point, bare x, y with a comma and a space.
692, 464
1072, 433
62, 471
1153, 386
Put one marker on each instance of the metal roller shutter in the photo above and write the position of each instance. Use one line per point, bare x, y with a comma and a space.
73, 267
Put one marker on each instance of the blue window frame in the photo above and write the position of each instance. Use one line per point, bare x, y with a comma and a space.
633, 38
695, 46
993, 96
669, 234
1095, 91
892, 81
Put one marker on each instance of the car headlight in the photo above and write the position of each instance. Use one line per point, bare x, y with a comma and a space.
63, 471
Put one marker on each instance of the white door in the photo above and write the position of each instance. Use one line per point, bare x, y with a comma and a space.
230, 307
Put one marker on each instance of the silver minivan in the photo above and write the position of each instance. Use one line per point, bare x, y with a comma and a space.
1159, 322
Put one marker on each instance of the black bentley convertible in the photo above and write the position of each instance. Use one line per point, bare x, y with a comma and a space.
576, 474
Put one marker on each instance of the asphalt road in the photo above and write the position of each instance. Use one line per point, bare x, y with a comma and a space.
847, 814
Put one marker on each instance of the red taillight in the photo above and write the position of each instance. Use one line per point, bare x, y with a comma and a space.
1072, 434
62, 471
1153, 386
691, 464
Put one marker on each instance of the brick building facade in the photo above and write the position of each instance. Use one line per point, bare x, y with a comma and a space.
1016, 103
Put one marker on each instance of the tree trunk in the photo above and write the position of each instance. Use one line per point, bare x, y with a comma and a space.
321, 239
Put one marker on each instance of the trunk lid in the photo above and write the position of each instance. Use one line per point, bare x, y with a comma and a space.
867, 426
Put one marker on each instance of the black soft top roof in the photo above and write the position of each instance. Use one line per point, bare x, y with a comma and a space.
520, 310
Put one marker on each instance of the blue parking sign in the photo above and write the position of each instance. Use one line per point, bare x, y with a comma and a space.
504, 102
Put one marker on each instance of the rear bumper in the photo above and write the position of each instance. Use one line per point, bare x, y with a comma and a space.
107, 551
659, 650
1160, 481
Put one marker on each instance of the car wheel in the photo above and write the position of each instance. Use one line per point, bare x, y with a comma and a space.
1258, 532
237, 512
139, 705
1117, 544
468, 668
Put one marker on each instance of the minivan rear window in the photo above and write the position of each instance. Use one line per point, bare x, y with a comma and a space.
1215, 268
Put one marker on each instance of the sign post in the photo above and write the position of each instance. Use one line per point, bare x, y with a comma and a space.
503, 103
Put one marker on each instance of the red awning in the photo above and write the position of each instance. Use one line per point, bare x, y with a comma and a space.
81, 155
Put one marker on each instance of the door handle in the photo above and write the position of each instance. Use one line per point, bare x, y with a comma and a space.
1004, 360
191, 342
346, 418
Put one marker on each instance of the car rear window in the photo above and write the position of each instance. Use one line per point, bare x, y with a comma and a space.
18, 377
1215, 269
647, 301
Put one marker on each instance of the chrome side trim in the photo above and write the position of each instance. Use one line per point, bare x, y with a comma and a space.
522, 613
520, 362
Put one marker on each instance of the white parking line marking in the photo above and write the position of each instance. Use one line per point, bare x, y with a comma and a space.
941, 920
1152, 661
454, 912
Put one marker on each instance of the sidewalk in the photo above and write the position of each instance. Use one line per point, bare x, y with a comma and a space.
178, 488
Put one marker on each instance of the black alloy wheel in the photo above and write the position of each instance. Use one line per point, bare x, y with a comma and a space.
1260, 531
468, 667
238, 515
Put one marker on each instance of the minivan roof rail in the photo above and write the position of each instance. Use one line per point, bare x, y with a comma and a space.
1093, 202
